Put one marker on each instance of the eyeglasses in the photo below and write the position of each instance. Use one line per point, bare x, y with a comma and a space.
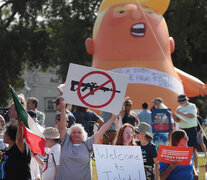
128, 105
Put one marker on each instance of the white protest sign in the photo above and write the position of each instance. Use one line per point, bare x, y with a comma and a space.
95, 88
119, 162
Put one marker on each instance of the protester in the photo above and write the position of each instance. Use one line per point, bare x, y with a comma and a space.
32, 103
52, 160
15, 163
71, 117
145, 115
174, 171
76, 149
188, 112
160, 138
110, 134
149, 150
127, 115
87, 118
125, 135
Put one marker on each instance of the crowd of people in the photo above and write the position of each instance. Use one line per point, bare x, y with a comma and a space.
69, 145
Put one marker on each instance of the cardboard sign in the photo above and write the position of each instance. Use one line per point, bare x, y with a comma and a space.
95, 88
119, 162
161, 121
169, 154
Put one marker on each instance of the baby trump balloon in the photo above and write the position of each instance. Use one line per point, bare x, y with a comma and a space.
131, 37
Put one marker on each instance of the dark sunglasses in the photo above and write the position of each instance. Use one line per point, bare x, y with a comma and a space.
128, 105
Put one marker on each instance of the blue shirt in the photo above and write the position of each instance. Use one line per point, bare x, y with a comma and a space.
145, 116
180, 172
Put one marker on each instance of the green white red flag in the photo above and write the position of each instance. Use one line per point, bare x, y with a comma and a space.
33, 134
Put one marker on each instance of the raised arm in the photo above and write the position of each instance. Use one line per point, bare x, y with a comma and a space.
100, 122
63, 118
103, 129
19, 138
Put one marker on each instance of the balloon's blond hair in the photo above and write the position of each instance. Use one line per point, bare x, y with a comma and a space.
159, 6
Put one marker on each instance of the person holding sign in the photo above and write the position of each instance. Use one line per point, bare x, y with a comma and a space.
76, 148
149, 150
174, 171
186, 114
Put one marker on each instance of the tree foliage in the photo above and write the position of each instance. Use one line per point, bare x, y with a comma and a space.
187, 23
52, 33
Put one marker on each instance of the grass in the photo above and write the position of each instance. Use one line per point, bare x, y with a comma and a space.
201, 162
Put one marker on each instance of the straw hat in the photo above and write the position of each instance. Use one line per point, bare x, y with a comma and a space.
51, 133
144, 128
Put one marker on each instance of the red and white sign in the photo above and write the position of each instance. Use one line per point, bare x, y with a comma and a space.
169, 154
95, 88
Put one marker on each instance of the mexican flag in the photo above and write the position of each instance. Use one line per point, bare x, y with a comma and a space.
33, 135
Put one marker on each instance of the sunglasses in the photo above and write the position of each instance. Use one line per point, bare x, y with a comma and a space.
128, 105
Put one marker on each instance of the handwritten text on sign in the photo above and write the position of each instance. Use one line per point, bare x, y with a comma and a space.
152, 77
119, 162
169, 154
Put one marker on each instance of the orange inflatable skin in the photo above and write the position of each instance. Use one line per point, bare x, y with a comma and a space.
133, 38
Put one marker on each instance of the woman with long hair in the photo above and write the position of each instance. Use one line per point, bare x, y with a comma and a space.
125, 135
127, 114
173, 171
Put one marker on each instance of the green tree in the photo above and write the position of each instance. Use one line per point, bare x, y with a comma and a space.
24, 41
187, 23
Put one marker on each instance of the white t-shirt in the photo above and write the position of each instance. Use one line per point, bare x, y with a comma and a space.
190, 122
53, 161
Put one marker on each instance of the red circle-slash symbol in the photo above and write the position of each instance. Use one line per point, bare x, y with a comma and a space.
110, 80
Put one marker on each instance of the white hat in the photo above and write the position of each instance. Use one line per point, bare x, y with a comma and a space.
51, 133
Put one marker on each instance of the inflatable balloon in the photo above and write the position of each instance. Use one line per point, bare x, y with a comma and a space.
131, 37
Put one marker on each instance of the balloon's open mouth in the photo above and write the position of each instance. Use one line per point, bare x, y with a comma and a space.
138, 30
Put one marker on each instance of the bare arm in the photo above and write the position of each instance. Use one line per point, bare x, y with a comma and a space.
56, 171
103, 129
38, 159
166, 173
136, 117
19, 138
63, 117
185, 114
156, 168
116, 122
100, 122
